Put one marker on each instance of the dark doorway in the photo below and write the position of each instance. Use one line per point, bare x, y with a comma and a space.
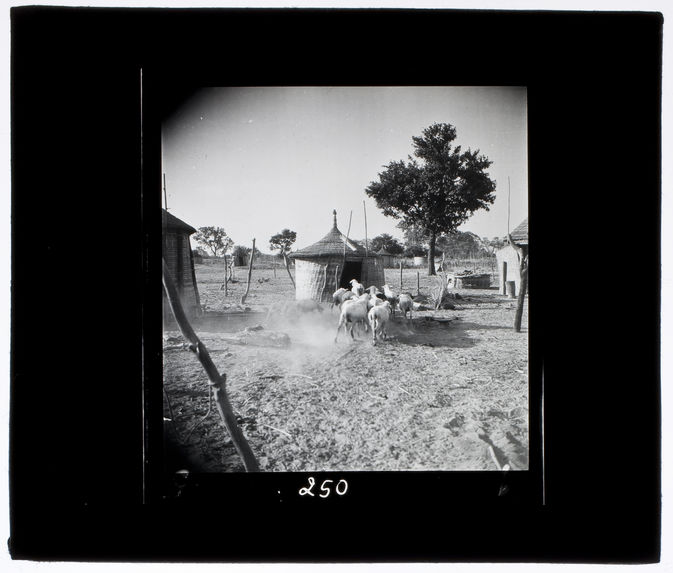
352, 270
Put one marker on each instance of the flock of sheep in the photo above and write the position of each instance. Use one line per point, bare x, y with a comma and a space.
369, 308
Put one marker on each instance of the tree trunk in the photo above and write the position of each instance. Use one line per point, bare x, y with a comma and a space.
287, 268
431, 255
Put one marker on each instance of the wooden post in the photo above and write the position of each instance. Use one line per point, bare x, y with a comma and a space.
418, 283
217, 381
247, 288
522, 251
400, 275
274, 270
503, 278
522, 293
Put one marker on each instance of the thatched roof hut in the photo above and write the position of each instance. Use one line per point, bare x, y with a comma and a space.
520, 234
508, 258
180, 262
323, 267
387, 258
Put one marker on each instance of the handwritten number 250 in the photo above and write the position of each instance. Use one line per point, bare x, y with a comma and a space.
341, 488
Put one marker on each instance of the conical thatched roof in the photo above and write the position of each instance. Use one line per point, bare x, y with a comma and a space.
520, 234
384, 253
332, 244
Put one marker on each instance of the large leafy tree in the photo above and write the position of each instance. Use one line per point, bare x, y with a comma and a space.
283, 242
438, 189
215, 239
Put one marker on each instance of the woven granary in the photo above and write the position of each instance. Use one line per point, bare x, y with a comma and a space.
323, 267
177, 253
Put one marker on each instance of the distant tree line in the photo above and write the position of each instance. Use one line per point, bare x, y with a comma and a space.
456, 245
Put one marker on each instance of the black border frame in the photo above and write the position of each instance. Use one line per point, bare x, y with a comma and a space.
79, 164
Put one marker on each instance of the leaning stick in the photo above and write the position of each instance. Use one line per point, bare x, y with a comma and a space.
252, 256
493, 457
216, 381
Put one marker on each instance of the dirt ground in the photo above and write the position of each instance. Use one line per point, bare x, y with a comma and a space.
447, 390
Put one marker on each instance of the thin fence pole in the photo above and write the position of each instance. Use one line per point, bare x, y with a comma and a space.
364, 207
226, 278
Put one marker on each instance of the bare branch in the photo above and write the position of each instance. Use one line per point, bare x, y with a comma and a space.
217, 381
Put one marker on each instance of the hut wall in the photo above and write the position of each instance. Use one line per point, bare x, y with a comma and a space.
388, 261
373, 272
178, 256
509, 255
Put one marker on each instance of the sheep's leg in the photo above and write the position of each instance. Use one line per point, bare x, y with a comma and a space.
338, 329
361, 324
352, 325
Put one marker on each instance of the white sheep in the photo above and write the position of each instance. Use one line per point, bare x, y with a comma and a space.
378, 319
340, 296
353, 311
356, 287
391, 297
406, 303
375, 297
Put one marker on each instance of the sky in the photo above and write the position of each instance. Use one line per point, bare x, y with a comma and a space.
257, 160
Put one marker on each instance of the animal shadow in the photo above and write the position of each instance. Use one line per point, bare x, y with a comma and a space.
426, 331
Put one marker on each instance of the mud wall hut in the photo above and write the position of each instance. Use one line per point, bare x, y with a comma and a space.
508, 258
388, 259
177, 253
332, 262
